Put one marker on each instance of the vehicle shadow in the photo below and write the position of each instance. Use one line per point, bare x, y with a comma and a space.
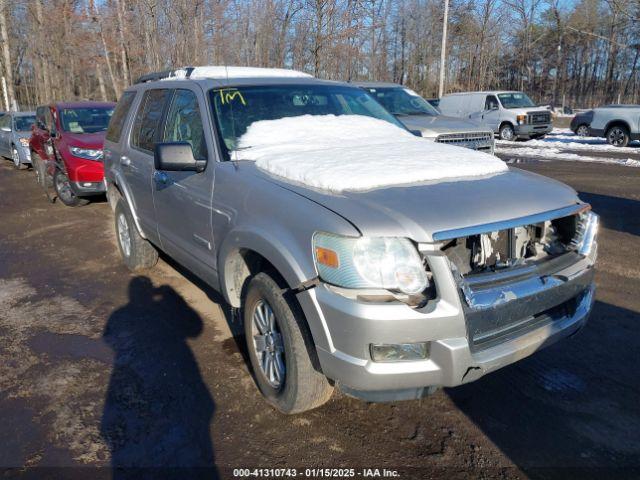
569, 411
231, 315
158, 410
609, 208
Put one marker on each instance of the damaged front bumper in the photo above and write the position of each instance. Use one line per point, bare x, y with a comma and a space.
473, 327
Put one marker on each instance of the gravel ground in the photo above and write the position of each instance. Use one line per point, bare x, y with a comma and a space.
100, 368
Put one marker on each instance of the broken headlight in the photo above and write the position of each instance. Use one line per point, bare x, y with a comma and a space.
389, 263
586, 234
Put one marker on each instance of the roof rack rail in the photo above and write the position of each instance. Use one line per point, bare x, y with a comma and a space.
185, 72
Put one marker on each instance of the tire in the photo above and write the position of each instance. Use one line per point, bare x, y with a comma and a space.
137, 253
287, 341
62, 186
507, 132
582, 130
15, 157
618, 136
40, 170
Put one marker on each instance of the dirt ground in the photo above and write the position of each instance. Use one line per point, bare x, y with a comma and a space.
101, 369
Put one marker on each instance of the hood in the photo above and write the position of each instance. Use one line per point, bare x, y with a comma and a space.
85, 140
524, 111
420, 210
431, 126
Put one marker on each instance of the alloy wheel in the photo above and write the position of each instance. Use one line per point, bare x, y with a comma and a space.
268, 345
63, 187
16, 157
124, 235
617, 136
582, 131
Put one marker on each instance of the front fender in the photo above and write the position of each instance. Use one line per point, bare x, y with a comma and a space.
288, 255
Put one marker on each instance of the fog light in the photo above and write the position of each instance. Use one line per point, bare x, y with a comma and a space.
399, 352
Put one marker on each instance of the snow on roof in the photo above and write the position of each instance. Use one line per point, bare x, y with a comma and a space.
214, 72
354, 152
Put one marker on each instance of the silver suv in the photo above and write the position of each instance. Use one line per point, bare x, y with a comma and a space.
385, 292
418, 115
619, 124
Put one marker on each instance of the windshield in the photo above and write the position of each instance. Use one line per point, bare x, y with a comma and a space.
402, 101
23, 123
515, 100
85, 120
237, 108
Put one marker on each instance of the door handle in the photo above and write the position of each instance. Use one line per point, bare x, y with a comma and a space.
125, 161
161, 177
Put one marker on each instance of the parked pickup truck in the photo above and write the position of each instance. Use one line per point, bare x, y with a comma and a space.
357, 255
418, 115
510, 114
619, 124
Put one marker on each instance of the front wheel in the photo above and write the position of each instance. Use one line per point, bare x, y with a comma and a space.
618, 136
15, 156
62, 186
281, 349
507, 132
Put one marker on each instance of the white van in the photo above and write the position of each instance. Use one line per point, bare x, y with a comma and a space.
510, 114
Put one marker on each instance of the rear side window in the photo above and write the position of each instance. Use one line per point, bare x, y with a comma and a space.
147, 122
184, 123
116, 124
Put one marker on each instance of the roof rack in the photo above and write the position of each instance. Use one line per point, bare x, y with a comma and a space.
221, 72
184, 72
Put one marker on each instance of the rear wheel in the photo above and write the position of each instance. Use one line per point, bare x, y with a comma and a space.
280, 349
506, 132
582, 131
137, 253
65, 193
618, 136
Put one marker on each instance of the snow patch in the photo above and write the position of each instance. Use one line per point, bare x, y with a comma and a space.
556, 154
355, 152
222, 72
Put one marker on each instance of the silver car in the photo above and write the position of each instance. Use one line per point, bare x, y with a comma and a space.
385, 293
15, 130
418, 115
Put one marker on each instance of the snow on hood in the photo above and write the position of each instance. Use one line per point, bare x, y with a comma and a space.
355, 152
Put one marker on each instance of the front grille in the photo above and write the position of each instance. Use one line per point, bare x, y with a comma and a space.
538, 118
474, 140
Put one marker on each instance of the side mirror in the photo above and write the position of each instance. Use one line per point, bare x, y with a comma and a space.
177, 157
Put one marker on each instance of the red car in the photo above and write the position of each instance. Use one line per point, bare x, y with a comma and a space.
66, 148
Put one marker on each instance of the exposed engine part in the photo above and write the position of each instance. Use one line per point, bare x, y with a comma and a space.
507, 248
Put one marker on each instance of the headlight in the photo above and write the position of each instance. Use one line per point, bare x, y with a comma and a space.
88, 153
587, 231
389, 263
24, 142
521, 119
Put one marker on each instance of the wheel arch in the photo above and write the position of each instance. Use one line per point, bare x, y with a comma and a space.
617, 123
245, 253
116, 188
